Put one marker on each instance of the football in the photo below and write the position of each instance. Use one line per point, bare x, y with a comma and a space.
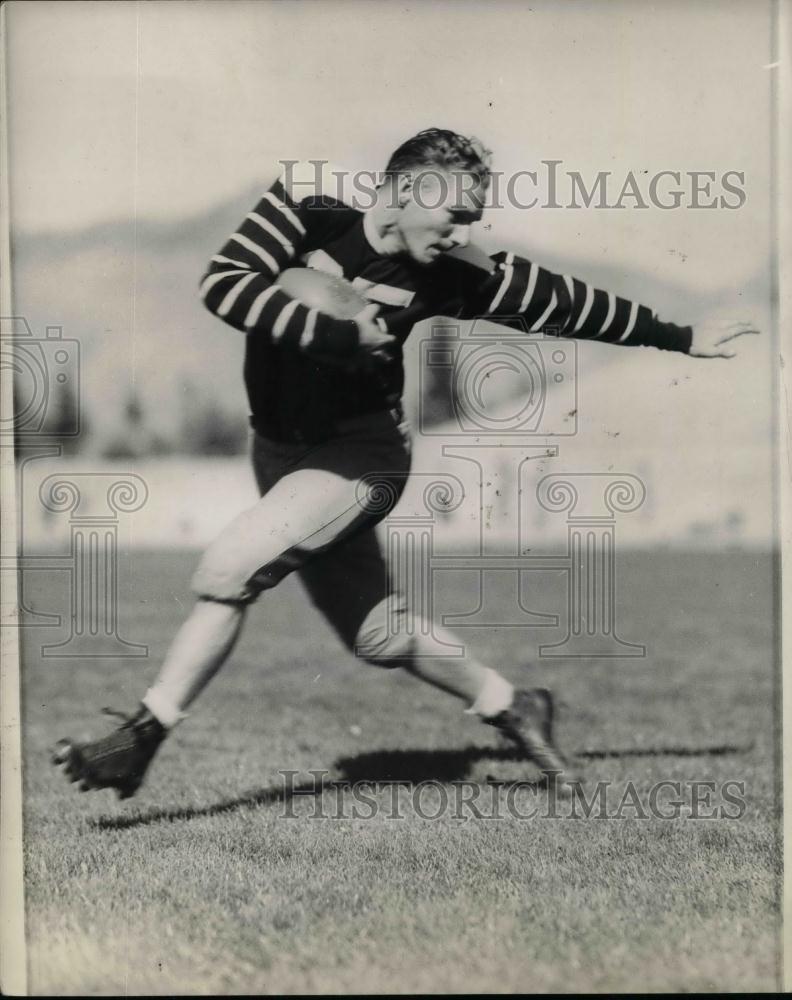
319, 290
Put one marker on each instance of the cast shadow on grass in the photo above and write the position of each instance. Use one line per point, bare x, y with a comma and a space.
455, 765
405, 767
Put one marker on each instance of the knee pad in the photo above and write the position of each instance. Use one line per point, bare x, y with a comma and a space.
383, 637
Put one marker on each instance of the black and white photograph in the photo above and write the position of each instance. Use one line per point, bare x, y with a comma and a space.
394, 473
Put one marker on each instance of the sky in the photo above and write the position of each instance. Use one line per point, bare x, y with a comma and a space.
161, 110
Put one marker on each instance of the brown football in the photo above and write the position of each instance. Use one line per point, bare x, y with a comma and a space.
318, 290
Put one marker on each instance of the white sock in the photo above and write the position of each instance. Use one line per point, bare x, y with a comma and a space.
495, 696
162, 708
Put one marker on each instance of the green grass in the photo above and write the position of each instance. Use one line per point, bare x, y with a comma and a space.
200, 884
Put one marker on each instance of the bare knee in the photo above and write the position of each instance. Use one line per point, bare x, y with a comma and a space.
384, 638
221, 578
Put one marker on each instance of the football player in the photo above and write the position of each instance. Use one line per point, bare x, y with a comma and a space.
324, 393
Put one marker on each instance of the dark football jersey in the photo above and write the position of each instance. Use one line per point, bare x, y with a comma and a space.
300, 363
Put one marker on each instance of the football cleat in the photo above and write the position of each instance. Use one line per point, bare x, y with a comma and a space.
119, 760
528, 724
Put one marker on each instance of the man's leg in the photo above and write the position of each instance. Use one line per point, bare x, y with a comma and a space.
349, 584
486, 692
200, 648
306, 507
120, 760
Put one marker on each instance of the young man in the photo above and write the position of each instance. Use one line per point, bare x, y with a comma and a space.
325, 397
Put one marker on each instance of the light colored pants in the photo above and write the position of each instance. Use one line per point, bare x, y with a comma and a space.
316, 516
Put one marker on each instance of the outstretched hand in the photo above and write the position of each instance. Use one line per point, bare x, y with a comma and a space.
716, 339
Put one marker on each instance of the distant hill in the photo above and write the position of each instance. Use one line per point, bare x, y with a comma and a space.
127, 290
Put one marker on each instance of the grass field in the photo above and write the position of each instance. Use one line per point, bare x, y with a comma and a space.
203, 884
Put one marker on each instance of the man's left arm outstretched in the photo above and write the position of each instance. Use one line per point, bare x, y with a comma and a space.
521, 293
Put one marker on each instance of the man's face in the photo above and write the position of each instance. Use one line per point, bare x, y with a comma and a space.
436, 212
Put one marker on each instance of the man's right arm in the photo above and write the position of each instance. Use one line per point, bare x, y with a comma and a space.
240, 285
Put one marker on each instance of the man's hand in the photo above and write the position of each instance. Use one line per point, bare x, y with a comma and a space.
375, 345
374, 341
715, 339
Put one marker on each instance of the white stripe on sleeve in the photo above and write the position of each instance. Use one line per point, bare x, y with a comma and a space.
254, 248
586, 308
258, 304
611, 313
211, 280
571, 291
533, 273
508, 274
308, 332
285, 211
233, 294
286, 313
272, 230
218, 258
546, 314
630, 322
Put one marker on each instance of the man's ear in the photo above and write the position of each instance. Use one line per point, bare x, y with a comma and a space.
404, 189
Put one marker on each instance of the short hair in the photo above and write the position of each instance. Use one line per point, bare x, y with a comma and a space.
442, 149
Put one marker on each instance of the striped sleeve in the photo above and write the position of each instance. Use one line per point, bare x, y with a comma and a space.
520, 293
241, 286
